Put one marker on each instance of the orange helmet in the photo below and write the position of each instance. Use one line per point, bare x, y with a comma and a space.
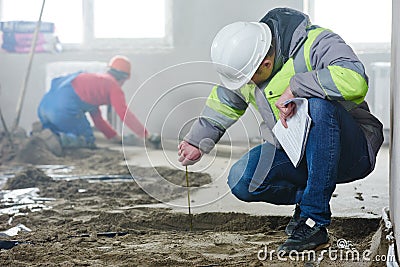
121, 63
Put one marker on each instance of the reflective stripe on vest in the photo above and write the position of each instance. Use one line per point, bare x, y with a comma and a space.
299, 64
215, 103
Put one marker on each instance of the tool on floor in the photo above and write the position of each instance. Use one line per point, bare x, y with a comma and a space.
102, 234
188, 197
28, 71
9, 244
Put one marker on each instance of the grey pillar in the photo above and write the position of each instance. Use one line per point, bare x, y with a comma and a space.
395, 124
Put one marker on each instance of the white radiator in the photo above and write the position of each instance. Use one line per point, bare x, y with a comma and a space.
59, 68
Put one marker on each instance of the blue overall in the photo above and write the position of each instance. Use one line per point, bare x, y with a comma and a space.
63, 112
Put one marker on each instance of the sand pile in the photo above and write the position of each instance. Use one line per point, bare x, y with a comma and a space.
100, 224
25, 148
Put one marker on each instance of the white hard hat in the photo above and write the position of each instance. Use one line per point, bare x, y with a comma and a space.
237, 51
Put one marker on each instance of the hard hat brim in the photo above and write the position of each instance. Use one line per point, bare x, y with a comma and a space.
233, 85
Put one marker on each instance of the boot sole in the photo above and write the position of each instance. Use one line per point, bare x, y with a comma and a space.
322, 246
318, 248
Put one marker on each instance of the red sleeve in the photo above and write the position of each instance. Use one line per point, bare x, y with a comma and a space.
102, 125
117, 99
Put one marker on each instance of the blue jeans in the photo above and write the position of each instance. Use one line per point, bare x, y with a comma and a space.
336, 152
63, 112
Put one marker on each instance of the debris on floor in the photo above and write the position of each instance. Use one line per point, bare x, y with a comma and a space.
13, 231
96, 217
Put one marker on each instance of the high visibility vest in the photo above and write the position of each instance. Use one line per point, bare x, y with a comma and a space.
301, 63
338, 82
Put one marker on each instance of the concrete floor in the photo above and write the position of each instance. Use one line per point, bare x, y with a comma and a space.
364, 198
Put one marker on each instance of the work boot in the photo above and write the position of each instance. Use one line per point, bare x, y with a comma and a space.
37, 127
52, 141
293, 221
69, 140
307, 235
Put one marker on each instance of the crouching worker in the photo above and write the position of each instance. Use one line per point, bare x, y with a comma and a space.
63, 108
264, 64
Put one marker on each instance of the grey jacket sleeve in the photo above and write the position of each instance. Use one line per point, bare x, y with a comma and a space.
327, 51
204, 134
223, 108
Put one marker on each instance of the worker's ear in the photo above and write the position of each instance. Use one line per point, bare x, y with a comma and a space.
268, 63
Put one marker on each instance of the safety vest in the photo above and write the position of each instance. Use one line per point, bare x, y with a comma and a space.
338, 82
300, 63
344, 82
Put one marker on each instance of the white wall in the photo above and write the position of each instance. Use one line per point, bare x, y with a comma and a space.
195, 24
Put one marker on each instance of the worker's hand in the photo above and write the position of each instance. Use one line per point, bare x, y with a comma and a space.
288, 110
154, 139
188, 154
116, 140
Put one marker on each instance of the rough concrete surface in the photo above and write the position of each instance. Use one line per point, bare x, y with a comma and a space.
98, 220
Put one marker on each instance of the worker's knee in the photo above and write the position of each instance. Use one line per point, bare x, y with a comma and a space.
241, 191
239, 184
241, 176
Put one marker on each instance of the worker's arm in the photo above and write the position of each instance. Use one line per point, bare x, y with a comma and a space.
117, 99
102, 125
337, 73
223, 108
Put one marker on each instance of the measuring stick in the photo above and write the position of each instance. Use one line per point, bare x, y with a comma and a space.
188, 197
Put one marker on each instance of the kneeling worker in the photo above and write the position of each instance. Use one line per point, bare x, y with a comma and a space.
63, 108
